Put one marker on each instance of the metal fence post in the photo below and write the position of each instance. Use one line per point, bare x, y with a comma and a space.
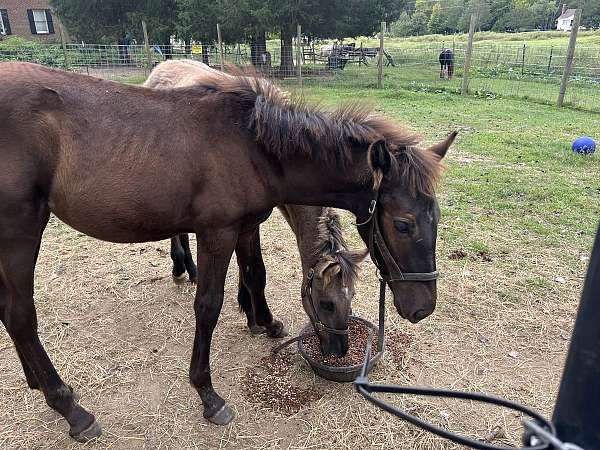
569, 62
299, 54
550, 60
220, 40
147, 46
381, 50
523, 60
465, 81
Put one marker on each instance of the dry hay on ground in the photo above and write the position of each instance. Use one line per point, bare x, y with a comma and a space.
121, 333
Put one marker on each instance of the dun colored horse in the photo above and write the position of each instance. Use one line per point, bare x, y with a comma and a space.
329, 268
101, 157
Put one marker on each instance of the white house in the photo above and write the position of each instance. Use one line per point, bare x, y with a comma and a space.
565, 21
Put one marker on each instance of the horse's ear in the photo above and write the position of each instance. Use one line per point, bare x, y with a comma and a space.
355, 256
380, 161
326, 271
441, 148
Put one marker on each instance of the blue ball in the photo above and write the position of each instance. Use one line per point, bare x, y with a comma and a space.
584, 145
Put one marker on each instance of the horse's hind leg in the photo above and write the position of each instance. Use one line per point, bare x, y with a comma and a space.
188, 259
178, 258
244, 299
182, 258
19, 243
32, 381
254, 278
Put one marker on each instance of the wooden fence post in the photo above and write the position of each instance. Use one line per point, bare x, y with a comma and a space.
63, 44
569, 62
220, 40
147, 45
299, 54
381, 50
465, 81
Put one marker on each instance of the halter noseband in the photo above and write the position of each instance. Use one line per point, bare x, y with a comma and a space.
392, 272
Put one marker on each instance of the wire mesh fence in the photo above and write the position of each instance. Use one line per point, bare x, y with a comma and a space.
515, 70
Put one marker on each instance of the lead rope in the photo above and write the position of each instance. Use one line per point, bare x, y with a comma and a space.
541, 433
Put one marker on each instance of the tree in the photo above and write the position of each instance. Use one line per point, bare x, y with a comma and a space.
436, 23
109, 20
95, 21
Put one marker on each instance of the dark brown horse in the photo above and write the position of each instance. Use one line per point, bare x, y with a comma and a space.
101, 157
446, 59
327, 264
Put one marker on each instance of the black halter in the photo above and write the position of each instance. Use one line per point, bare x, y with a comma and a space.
390, 271
317, 324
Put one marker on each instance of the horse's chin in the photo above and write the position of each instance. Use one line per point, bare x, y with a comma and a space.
414, 301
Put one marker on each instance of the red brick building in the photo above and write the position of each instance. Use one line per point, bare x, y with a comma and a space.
30, 19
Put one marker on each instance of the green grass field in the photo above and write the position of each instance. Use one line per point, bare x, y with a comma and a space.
423, 76
512, 65
521, 180
534, 38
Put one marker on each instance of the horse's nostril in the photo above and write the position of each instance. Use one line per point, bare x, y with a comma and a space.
419, 315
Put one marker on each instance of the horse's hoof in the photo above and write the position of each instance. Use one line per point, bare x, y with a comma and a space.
92, 432
223, 416
179, 279
255, 330
276, 330
193, 276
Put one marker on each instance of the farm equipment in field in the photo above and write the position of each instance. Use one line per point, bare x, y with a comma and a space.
338, 55
576, 420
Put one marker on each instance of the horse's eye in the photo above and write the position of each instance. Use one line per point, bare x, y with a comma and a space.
327, 305
401, 226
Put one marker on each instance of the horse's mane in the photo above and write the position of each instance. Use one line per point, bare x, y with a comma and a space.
331, 247
285, 126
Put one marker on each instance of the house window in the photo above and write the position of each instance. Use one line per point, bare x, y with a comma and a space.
41, 23
4, 24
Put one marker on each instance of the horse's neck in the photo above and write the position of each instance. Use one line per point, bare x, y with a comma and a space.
309, 182
304, 221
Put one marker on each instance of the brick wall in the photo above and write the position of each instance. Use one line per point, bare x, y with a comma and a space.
16, 10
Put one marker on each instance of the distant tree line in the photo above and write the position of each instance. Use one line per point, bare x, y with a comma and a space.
453, 16
240, 20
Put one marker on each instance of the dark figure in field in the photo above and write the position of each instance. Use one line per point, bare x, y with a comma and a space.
96, 154
446, 64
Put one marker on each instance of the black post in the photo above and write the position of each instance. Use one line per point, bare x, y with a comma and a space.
577, 410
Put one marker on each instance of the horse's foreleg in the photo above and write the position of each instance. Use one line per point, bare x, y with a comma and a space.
19, 245
214, 252
254, 277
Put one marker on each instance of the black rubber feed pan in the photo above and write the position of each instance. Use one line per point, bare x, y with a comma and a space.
335, 373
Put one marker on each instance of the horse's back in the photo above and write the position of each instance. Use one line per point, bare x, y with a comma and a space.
179, 73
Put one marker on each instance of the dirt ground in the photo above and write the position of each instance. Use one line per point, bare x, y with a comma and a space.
120, 332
